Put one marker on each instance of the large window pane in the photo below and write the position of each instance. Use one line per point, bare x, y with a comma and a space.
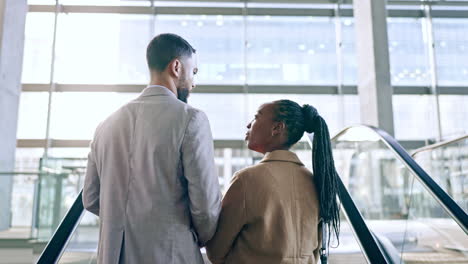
226, 112
76, 115
414, 117
454, 115
291, 50
451, 46
218, 41
103, 48
409, 64
37, 56
32, 115
348, 49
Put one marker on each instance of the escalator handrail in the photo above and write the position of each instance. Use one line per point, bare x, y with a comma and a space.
371, 249
438, 145
369, 245
62, 235
450, 206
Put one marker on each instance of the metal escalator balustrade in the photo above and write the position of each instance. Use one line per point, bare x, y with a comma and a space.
399, 201
447, 163
74, 242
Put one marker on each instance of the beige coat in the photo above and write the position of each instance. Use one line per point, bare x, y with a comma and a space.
269, 215
152, 181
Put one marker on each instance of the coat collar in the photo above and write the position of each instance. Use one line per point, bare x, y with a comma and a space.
155, 90
282, 155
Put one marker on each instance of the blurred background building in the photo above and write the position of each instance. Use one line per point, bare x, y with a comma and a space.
83, 59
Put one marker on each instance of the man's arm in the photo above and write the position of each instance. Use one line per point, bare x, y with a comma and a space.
92, 185
232, 219
200, 172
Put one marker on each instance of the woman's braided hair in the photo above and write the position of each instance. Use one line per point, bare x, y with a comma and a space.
298, 120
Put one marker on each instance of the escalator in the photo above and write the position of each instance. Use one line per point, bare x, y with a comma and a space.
392, 211
399, 201
447, 163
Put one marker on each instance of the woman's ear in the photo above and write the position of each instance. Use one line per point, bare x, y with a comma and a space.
278, 128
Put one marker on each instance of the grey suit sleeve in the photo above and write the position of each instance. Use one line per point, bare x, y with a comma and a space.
92, 185
202, 179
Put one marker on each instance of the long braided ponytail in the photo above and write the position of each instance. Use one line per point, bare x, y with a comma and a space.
298, 120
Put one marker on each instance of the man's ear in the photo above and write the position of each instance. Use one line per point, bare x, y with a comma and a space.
175, 67
278, 128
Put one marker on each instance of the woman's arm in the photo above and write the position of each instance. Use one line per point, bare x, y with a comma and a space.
231, 221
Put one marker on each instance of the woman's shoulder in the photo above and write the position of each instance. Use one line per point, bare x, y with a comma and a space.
251, 170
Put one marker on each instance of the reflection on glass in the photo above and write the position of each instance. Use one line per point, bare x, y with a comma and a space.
83, 244
453, 116
218, 41
414, 117
60, 181
348, 47
409, 64
395, 205
290, 50
448, 166
451, 47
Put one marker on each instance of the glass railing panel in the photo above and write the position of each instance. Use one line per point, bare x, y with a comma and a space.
431, 234
348, 250
17, 200
83, 244
60, 181
448, 166
389, 196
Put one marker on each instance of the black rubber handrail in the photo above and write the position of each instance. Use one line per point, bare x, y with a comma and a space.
370, 247
450, 206
62, 235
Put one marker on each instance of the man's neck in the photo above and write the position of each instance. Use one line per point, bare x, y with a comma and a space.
165, 83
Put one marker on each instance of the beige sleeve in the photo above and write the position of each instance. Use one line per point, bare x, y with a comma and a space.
231, 221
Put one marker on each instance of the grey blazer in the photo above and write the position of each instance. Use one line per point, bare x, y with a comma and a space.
152, 181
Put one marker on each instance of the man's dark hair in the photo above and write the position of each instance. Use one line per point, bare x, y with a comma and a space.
166, 47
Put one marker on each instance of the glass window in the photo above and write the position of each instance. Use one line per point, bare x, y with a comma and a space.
38, 48
27, 159
102, 48
218, 41
407, 45
451, 47
348, 47
414, 117
76, 115
32, 115
454, 117
291, 50
226, 112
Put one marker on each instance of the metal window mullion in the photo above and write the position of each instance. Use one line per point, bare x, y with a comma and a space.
52, 81
339, 63
245, 87
433, 67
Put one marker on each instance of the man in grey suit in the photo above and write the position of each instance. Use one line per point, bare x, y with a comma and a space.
151, 176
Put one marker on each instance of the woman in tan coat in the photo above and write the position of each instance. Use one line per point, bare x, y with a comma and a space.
273, 211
